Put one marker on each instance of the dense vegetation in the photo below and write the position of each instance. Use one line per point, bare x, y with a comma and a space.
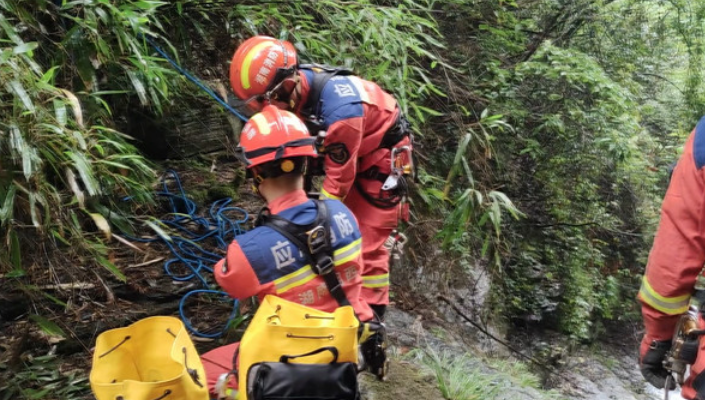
544, 128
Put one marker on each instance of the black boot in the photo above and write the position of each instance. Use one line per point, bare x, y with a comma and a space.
379, 310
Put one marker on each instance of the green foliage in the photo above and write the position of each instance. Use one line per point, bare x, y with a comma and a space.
543, 127
581, 139
461, 377
42, 377
394, 46
62, 162
592, 93
473, 208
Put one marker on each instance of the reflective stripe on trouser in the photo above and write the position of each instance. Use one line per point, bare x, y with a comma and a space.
375, 273
667, 305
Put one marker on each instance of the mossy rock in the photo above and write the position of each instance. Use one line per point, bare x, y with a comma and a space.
218, 192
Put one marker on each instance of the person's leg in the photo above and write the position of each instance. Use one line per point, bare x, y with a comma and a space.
375, 272
217, 362
379, 310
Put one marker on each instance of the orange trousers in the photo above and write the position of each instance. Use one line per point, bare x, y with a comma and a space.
376, 224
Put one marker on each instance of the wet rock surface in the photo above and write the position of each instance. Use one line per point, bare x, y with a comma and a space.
605, 372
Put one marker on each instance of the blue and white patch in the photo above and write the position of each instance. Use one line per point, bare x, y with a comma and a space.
699, 144
340, 99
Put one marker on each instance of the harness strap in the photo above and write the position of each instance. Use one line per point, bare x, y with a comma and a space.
396, 133
383, 203
373, 174
314, 242
311, 109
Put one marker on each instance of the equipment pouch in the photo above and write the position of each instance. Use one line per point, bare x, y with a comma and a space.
285, 380
283, 327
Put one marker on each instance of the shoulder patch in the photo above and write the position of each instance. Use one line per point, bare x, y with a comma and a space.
699, 144
338, 153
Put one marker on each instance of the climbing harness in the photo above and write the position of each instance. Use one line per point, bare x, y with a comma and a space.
190, 260
395, 184
314, 242
311, 110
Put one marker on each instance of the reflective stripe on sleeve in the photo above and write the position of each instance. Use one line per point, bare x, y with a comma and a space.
668, 305
375, 281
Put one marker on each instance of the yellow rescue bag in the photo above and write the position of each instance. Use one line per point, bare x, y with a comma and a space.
152, 359
283, 328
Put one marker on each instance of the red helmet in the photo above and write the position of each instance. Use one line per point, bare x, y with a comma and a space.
259, 64
275, 134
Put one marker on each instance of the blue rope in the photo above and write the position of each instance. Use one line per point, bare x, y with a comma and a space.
192, 78
194, 260
187, 323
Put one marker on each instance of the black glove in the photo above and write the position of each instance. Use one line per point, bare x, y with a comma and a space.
652, 364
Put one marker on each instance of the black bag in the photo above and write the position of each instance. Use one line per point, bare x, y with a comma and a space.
284, 380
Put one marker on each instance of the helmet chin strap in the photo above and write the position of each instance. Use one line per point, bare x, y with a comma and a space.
256, 181
285, 97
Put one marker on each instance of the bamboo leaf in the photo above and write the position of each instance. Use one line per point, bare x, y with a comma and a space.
19, 147
33, 199
16, 87
29, 155
101, 223
105, 263
47, 326
10, 30
16, 273
80, 139
57, 235
53, 299
73, 184
8, 204
48, 76
25, 48
165, 236
75, 106
85, 171
139, 87
60, 112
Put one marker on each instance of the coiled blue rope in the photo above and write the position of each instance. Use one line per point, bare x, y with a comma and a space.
185, 249
194, 260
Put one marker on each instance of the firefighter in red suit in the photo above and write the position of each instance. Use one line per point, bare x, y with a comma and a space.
365, 139
675, 263
277, 149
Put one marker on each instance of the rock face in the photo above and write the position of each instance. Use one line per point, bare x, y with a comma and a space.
200, 127
606, 372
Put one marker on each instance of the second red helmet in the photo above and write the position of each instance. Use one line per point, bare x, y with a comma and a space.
275, 134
